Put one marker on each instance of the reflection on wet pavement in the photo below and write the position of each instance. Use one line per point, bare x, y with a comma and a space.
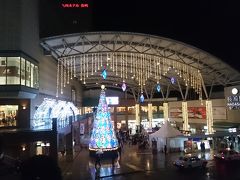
135, 164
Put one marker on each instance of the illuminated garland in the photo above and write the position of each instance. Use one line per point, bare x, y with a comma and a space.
135, 66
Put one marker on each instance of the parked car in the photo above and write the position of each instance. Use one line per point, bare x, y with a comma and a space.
190, 162
227, 155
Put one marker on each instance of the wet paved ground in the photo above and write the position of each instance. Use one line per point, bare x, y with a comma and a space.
140, 165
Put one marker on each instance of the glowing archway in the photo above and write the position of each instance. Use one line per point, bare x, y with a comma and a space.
51, 108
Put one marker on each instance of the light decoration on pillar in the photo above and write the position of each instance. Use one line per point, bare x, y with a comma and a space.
185, 115
137, 67
150, 114
137, 110
124, 86
209, 116
165, 111
103, 135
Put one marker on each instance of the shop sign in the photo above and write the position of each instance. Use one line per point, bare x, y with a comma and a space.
233, 102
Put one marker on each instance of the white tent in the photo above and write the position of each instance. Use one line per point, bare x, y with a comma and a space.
169, 136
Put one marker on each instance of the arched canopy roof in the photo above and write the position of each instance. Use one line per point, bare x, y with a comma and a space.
115, 47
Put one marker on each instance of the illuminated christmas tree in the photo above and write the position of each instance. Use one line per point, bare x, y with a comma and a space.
103, 135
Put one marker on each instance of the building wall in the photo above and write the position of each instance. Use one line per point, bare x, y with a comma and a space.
10, 21
19, 31
232, 114
22, 115
218, 104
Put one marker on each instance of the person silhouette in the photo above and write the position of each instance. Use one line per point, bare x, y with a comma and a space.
99, 153
40, 167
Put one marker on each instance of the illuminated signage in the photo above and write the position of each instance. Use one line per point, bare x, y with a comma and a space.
234, 91
233, 102
112, 100
75, 5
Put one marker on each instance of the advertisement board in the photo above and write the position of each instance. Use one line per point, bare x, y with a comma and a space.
193, 112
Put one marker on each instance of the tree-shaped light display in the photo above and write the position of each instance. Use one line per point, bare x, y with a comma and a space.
103, 135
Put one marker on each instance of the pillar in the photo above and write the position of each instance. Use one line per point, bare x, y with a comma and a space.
150, 114
126, 117
185, 115
115, 117
209, 116
165, 111
54, 140
137, 110
69, 143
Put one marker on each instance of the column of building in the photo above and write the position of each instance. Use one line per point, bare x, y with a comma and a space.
115, 117
150, 114
209, 116
165, 111
185, 115
126, 117
137, 110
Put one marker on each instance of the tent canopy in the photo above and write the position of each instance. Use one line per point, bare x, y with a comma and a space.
166, 131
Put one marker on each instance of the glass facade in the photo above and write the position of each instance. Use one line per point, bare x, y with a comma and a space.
3, 66
121, 109
8, 115
131, 110
18, 71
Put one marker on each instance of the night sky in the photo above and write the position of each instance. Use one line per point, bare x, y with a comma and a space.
210, 25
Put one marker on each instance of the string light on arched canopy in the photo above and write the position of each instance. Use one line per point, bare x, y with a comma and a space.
127, 66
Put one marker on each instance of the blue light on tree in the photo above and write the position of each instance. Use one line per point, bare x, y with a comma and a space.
172, 80
158, 87
141, 98
103, 135
104, 73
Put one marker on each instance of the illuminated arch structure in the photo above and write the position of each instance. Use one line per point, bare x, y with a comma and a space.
145, 63
52, 108
142, 61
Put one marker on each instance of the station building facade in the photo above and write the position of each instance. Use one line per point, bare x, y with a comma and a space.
28, 76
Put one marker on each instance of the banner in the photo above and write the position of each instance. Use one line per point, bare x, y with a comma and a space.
193, 112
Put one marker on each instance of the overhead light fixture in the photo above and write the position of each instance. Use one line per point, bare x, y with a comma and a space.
124, 86
104, 74
158, 87
142, 98
172, 80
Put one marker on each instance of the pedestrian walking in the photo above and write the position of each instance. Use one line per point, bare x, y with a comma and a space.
165, 149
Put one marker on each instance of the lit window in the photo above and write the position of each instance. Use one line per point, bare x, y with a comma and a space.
8, 115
